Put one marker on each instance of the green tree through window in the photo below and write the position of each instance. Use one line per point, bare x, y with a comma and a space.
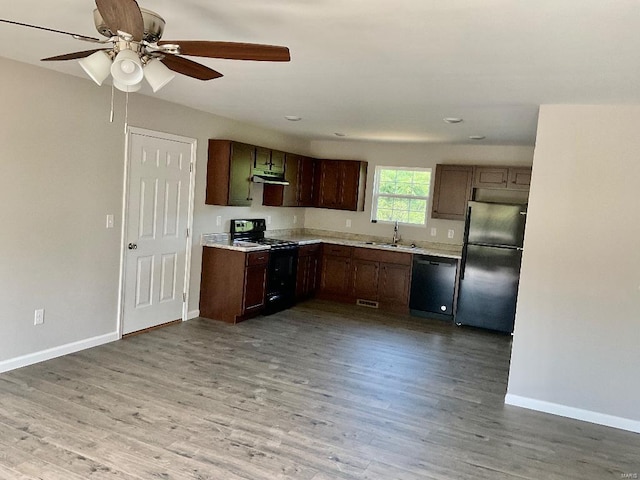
401, 194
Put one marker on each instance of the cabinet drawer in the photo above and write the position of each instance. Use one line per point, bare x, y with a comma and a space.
336, 250
306, 250
258, 258
384, 256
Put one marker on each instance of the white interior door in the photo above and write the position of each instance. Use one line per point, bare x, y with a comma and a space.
156, 235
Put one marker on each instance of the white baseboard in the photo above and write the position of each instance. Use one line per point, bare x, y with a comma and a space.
575, 413
43, 355
193, 314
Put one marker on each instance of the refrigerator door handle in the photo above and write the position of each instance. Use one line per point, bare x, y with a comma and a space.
463, 261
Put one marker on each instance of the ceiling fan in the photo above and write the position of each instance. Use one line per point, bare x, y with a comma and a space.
133, 49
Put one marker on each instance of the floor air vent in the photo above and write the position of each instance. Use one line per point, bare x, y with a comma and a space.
366, 303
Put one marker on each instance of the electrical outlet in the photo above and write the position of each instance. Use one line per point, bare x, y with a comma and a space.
295, 219
218, 221
110, 221
348, 223
434, 231
450, 233
268, 219
38, 318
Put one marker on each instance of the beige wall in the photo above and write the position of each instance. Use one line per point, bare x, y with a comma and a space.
410, 155
577, 329
61, 173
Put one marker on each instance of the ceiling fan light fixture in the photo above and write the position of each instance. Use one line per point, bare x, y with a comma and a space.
97, 66
127, 68
157, 74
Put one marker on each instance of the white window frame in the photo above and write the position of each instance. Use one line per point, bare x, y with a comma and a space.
377, 195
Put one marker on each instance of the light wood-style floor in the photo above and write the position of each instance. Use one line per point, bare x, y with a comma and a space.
318, 392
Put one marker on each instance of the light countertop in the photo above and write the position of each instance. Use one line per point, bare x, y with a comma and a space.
223, 240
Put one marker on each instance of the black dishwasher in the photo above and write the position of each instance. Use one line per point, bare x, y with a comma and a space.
433, 287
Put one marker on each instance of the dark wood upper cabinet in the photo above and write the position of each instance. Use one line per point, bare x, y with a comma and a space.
299, 172
520, 178
455, 185
510, 178
491, 177
451, 191
229, 170
340, 184
306, 181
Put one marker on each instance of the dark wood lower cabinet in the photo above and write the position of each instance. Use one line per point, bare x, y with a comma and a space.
383, 277
394, 285
335, 275
365, 279
308, 270
233, 284
350, 274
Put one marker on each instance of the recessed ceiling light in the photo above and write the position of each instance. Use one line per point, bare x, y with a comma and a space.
293, 118
338, 134
452, 120
477, 137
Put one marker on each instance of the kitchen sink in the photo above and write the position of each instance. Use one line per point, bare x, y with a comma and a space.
391, 245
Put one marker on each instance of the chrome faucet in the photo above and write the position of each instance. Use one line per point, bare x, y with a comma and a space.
396, 234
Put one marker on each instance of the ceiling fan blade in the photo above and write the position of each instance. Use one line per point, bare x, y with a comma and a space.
123, 16
77, 36
189, 68
74, 55
231, 50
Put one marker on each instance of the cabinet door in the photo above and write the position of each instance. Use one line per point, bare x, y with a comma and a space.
350, 185
491, 177
312, 274
262, 158
336, 275
394, 284
254, 287
277, 161
520, 178
242, 157
291, 174
329, 184
365, 279
306, 181
452, 191
301, 277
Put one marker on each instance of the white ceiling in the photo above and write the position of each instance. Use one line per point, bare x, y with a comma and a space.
380, 69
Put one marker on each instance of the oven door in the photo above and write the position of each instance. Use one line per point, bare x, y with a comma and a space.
281, 279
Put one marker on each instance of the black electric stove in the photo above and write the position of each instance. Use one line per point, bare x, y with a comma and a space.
283, 262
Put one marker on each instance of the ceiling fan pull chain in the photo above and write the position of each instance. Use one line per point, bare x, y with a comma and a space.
126, 112
112, 95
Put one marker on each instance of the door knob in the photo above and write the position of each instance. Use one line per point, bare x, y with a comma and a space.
133, 246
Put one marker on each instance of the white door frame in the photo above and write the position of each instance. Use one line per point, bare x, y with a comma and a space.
125, 215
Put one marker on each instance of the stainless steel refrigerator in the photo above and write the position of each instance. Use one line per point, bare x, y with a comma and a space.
490, 267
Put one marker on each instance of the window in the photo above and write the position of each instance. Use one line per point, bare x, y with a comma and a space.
401, 194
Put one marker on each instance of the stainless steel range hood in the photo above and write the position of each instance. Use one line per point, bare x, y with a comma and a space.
269, 179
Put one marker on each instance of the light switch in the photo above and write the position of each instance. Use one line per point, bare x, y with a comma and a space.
434, 231
110, 221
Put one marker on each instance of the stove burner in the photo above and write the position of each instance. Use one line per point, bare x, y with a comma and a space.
276, 243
